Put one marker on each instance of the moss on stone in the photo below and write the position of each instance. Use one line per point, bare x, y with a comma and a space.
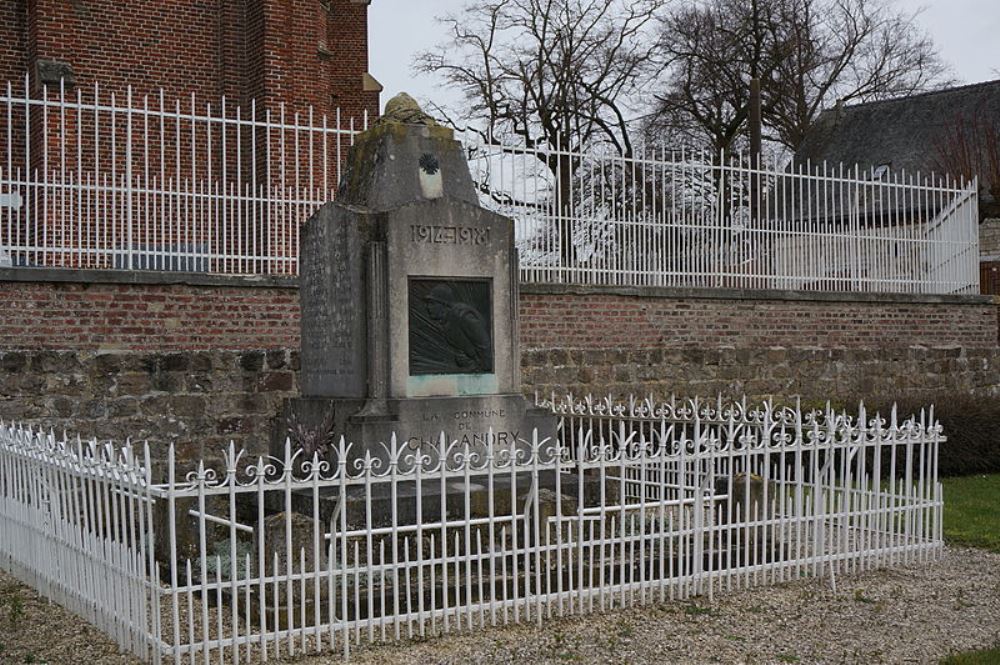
367, 152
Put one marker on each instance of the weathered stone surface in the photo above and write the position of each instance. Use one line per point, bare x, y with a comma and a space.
277, 382
333, 301
405, 109
426, 163
13, 362
199, 382
54, 73
252, 361
198, 411
202, 361
409, 303
277, 359
844, 375
54, 361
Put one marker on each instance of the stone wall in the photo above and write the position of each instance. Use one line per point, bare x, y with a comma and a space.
843, 375
199, 360
197, 400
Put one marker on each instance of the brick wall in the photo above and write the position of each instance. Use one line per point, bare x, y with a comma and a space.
989, 239
198, 360
13, 33
174, 44
317, 56
203, 315
780, 345
272, 50
588, 320
284, 54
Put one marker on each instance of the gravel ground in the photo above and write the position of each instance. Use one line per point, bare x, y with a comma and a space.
32, 630
914, 614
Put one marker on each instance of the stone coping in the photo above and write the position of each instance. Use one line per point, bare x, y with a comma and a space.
152, 277
754, 294
244, 281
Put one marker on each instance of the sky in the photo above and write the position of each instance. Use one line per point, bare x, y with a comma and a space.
964, 30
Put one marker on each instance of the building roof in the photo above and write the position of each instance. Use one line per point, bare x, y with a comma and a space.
906, 133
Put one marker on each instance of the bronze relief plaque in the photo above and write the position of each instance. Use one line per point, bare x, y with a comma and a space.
451, 327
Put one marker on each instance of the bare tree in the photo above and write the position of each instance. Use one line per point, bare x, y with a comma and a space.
712, 50
841, 51
808, 54
970, 147
554, 75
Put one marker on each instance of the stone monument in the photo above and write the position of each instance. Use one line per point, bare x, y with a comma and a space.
409, 300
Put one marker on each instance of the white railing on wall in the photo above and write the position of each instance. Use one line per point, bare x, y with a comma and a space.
105, 180
91, 179
631, 504
694, 219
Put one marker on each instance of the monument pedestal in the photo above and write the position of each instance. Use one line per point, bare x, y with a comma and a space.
419, 422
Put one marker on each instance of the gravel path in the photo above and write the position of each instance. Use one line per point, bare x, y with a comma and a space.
915, 614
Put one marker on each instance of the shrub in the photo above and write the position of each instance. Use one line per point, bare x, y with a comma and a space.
972, 427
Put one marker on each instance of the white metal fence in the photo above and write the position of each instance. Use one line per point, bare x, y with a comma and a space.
631, 504
694, 219
95, 179
98, 180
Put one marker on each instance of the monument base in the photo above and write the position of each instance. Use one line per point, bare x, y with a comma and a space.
417, 422
468, 423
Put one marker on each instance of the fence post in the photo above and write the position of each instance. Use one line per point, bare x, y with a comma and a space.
129, 212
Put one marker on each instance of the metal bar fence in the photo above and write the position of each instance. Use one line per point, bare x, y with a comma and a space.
117, 181
76, 523
694, 219
630, 504
112, 180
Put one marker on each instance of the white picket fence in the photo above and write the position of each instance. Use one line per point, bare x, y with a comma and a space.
632, 503
91, 179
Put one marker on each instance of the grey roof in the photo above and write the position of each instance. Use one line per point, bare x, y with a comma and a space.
905, 133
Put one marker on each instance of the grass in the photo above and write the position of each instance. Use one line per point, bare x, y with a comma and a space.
972, 512
984, 657
694, 609
972, 518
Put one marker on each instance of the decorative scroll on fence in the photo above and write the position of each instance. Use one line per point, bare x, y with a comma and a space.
632, 503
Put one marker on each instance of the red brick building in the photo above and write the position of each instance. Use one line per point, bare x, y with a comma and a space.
142, 111
301, 52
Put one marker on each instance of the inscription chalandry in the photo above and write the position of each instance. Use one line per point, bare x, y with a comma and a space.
449, 235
